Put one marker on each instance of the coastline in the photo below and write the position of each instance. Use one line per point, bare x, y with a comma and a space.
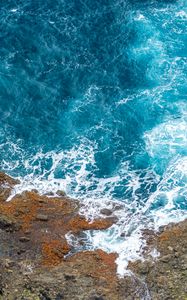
37, 262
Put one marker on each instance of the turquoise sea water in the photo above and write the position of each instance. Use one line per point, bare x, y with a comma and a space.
93, 101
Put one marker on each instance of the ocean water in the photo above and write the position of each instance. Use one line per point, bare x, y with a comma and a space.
93, 100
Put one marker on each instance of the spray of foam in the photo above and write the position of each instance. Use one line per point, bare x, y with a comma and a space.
42, 169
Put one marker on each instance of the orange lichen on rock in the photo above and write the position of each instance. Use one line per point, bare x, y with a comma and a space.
79, 223
44, 222
98, 263
22, 208
108, 259
170, 233
53, 252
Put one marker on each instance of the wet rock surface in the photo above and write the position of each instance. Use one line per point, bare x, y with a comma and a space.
6, 185
166, 275
36, 262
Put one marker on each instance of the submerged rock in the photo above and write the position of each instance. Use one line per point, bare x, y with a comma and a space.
106, 211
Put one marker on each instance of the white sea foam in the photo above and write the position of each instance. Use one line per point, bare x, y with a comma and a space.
167, 145
181, 14
167, 140
14, 10
74, 162
139, 17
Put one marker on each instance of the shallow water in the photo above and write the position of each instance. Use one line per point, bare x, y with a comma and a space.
93, 101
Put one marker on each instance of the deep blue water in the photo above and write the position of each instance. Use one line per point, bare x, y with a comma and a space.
93, 98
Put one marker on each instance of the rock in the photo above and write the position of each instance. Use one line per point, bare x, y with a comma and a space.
42, 217
27, 232
96, 297
24, 239
170, 249
6, 185
143, 268
166, 258
177, 254
118, 207
49, 194
7, 263
5, 179
21, 251
59, 296
106, 212
6, 223
34, 191
4, 193
61, 193
70, 277
184, 266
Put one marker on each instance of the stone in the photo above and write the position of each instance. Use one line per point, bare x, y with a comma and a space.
118, 207
49, 194
170, 249
6, 223
4, 193
143, 268
166, 258
6, 185
106, 212
177, 254
69, 277
8, 263
24, 239
21, 251
27, 231
59, 296
34, 191
5, 179
184, 267
96, 297
61, 193
42, 217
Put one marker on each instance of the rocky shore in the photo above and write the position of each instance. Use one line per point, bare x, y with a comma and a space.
37, 263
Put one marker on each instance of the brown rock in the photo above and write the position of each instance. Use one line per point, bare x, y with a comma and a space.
166, 258
5, 179
49, 194
5, 222
106, 211
143, 268
6, 185
24, 239
61, 193
4, 193
42, 217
